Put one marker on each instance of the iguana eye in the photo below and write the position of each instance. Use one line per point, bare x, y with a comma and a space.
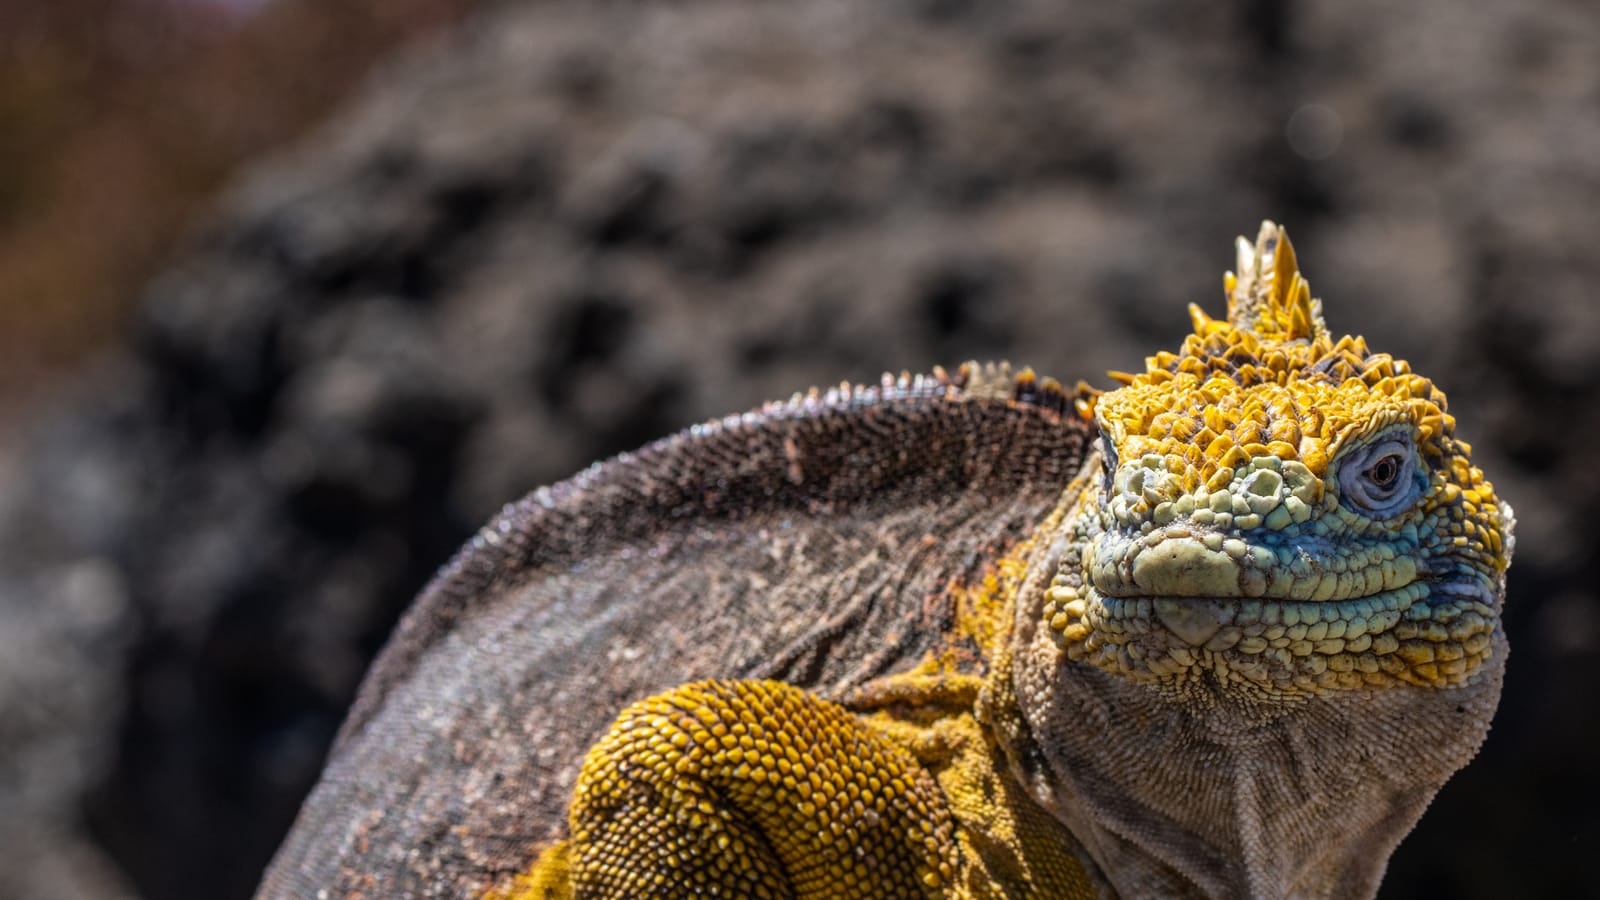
1378, 479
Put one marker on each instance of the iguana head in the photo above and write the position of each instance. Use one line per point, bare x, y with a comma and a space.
1270, 631
1280, 509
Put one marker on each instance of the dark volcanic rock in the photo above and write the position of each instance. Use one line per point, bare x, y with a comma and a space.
567, 231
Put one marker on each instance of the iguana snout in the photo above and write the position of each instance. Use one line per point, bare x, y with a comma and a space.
1183, 566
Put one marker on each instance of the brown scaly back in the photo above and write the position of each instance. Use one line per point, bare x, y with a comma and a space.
812, 541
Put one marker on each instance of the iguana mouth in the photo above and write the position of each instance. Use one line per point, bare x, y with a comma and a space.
1252, 625
1424, 632
1179, 561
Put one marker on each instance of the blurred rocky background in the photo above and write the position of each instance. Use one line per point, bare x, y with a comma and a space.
249, 410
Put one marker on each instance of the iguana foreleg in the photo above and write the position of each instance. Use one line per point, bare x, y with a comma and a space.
751, 789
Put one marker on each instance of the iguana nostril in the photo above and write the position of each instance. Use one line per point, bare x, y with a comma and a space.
1264, 483
1262, 492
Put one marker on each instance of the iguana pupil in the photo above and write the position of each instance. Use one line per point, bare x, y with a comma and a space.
1385, 472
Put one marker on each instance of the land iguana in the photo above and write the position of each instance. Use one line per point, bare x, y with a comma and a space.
1222, 631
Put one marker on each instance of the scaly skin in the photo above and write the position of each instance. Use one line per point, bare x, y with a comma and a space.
1232, 649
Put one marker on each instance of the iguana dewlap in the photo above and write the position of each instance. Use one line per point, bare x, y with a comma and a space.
1223, 631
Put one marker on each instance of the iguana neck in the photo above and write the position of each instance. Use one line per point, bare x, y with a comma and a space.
1210, 793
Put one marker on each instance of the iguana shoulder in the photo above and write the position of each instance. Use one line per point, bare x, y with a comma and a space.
813, 542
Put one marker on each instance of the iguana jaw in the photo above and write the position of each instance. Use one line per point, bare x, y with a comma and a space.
1187, 787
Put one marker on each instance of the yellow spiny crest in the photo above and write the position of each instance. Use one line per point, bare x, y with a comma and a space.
1270, 380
